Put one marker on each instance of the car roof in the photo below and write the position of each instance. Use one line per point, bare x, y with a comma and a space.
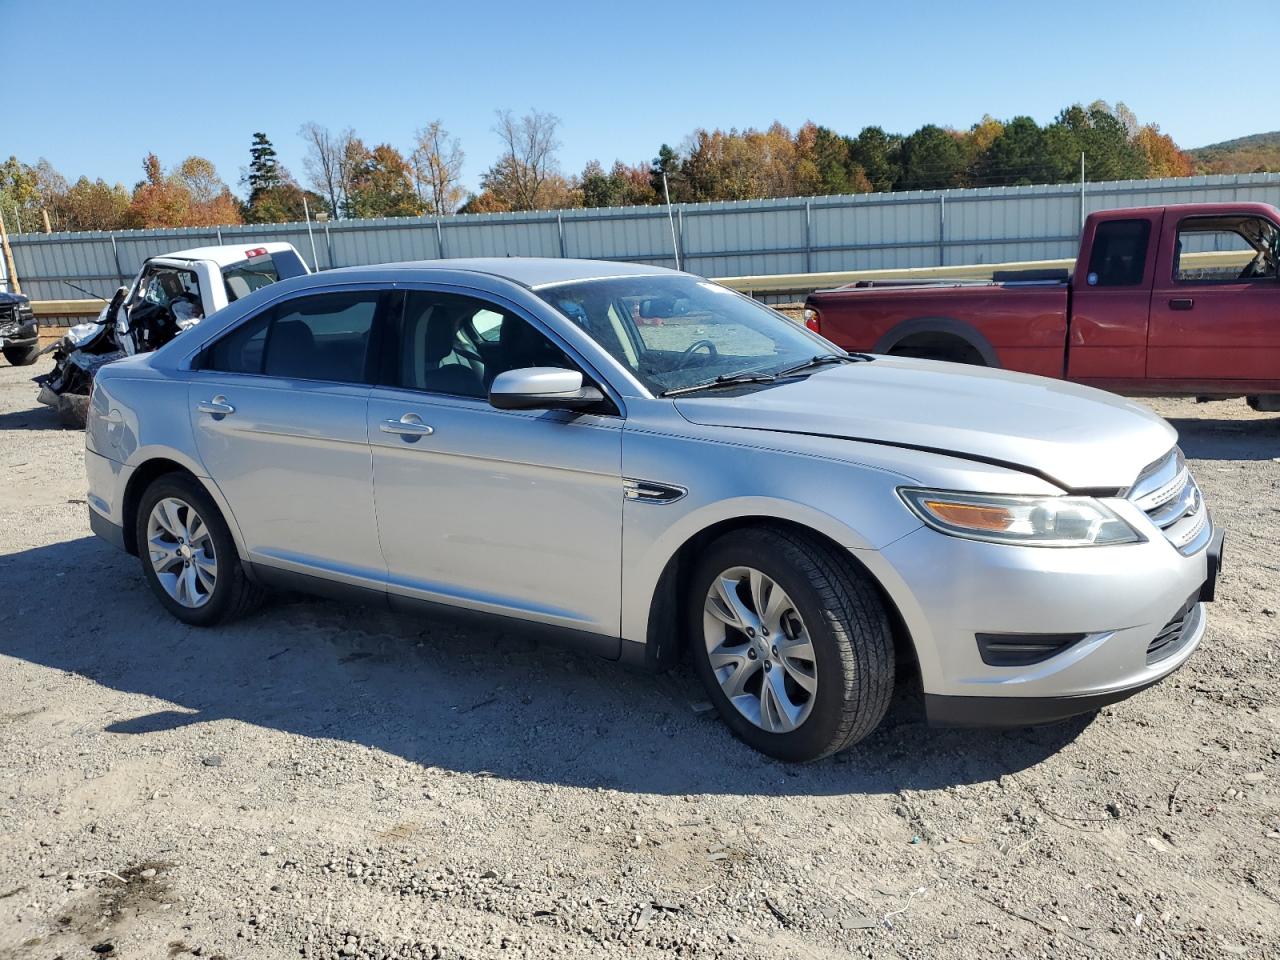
226, 254
531, 272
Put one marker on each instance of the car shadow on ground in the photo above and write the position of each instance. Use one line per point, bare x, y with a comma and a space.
37, 418
1204, 438
447, 696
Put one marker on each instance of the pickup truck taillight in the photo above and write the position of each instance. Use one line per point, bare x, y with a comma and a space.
813, 319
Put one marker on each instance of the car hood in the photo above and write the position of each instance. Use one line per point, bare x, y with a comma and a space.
1077, 437
7, 298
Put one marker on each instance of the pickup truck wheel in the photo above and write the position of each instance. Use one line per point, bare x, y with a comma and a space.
22, 356
188, 556
791, 641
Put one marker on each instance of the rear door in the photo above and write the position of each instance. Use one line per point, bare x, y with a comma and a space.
278, 407
1111, 301
1215, 309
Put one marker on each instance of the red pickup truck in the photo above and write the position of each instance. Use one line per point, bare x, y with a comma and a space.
1163, 300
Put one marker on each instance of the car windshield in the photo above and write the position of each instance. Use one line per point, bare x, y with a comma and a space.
677, 331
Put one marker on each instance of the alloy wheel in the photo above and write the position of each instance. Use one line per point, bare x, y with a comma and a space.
759, 649
180, 547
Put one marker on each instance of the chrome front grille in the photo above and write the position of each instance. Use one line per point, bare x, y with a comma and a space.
1167, 493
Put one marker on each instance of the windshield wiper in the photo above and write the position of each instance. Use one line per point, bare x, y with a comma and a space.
821, 360
724, 380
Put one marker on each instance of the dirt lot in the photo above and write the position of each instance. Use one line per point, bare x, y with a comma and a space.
326, 781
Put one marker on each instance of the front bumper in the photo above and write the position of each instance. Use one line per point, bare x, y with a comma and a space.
15, 333
1121, 598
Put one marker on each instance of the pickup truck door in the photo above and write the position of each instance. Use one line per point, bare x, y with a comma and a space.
1111, 299
1215, 306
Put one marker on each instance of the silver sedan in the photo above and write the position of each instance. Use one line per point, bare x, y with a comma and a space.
655, 468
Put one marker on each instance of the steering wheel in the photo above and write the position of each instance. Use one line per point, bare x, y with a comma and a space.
687, 355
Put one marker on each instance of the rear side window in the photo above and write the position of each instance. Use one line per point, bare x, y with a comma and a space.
321, 337
1226, 250
1119, 256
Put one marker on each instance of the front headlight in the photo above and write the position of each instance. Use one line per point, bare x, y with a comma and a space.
1030, 521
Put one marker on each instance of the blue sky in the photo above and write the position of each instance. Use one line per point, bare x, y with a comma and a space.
93, 86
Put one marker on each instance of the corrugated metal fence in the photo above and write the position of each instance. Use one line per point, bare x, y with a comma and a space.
752, 237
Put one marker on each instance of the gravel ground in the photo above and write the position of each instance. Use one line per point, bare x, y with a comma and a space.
329, 781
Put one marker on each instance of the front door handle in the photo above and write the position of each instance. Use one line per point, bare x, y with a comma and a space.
410, 426
218, 406
1181, 303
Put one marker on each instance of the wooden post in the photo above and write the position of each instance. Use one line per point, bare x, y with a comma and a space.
14, 285
45, 213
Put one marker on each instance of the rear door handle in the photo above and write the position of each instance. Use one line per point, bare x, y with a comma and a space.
410, 426
218, 406
1181, 303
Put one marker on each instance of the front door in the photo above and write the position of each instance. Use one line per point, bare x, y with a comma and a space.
1215, 308
279, 407
509, 512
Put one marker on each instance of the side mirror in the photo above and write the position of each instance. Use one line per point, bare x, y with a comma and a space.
542, 388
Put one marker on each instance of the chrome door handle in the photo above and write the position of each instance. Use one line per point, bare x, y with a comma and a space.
218, 406
410, 425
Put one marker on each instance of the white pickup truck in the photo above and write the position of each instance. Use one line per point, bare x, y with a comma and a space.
170, 294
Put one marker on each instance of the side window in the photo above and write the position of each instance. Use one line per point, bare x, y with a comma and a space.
241, 350
1119, 255
322, 337
1225, 250
456, 345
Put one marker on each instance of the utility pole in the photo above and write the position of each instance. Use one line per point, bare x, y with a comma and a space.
675, 246
14, 285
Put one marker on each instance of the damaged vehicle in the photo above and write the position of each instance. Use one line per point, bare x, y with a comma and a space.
502, 437
19, 331
170, 294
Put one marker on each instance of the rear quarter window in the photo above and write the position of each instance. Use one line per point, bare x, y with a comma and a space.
1119, 255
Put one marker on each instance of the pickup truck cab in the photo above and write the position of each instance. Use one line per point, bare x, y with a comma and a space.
183, 287
1180, 299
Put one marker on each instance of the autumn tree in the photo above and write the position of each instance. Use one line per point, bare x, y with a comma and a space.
212, 202
1163, 157
92, 205
383, 186
523, 176
437, 169
158, 200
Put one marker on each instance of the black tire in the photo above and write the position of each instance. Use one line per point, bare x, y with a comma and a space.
847, 625
233, 595
22, 356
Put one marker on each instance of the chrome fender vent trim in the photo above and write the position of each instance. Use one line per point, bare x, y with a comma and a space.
648, 491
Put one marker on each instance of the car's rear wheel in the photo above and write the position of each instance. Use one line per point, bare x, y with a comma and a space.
188, 555
791, 641
22, 356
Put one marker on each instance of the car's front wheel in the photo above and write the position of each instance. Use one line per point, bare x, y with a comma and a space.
791, 641
188, 555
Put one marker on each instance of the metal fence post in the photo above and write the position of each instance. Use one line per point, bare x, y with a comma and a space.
808, 237
439, 239
942, 229
680, 248
560, 230
115, 252
219, 236
328, 245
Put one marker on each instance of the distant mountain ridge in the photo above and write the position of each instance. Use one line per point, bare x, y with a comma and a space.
1254, 153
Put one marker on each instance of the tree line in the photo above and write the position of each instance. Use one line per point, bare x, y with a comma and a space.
345, 178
